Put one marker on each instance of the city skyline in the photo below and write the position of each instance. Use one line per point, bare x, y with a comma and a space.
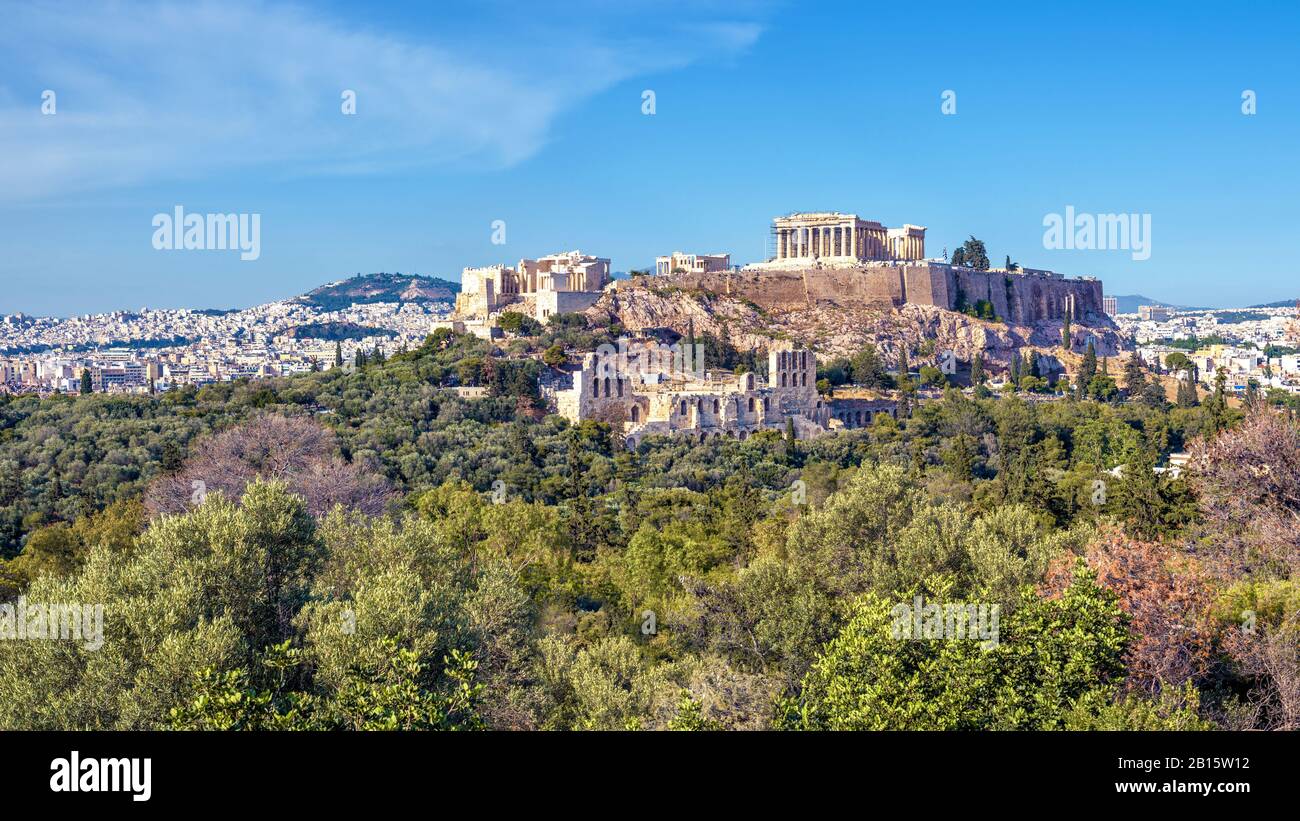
758, 109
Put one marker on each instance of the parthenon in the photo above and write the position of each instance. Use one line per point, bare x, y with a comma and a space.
834, 236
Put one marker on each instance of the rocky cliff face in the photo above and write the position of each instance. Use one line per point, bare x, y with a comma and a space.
1019, 298
643, 308
833, 329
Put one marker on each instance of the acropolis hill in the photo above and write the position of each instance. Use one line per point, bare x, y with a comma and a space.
829, 257
838, 282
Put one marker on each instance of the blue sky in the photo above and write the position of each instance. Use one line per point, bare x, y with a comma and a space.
532, 114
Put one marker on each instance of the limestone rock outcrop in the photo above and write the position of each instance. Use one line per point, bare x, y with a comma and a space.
832, 328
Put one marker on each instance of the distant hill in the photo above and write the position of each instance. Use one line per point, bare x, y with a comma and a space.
1281, 303
383, 287
1128, 304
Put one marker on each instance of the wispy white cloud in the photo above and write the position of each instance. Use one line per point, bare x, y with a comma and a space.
186, 91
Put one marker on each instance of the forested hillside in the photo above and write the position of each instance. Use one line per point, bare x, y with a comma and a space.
366, 549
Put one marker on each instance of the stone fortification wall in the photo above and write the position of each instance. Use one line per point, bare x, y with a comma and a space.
1021, 299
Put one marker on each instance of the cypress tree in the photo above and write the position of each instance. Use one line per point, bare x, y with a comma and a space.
977, 369
1087, 370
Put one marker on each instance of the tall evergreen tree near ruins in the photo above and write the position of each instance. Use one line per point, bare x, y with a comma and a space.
1134, 379
977, 369
1087, 370
973, 254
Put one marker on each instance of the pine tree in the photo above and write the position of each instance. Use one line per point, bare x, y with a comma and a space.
338, 353
865, 369
87, 383
1066, 341
974, 255
1134, 379
1137, 499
